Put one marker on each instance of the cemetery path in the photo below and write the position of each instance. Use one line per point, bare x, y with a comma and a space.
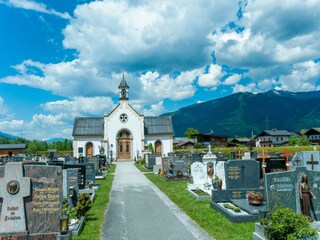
138, 210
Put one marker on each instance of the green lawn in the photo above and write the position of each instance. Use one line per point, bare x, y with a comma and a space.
142, 168
213, 222
95, 216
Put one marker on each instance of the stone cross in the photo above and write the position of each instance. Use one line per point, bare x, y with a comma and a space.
287, 155
13, 188
312, 162
264, 156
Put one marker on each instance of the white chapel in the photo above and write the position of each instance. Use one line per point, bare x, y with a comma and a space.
123, 133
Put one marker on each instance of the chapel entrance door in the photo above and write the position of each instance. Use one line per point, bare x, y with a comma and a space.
124, 145
89, 149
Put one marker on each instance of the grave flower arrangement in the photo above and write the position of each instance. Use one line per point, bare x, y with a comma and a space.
255, 198
70, 212
179, 174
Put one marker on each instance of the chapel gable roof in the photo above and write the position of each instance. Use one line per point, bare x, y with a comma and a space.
158, 125
88, 126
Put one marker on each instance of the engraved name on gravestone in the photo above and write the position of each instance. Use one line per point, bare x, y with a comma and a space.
242, 174
96, 162
14, 187
90, 172
81, 173
70, 180
282, 189
44, 206
198, 173
180, 164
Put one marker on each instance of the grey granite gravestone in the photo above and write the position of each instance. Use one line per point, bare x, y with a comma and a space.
97, 164
81, 173
282, 189
242, 174
150, 160
180, 164
14, 187
71, 186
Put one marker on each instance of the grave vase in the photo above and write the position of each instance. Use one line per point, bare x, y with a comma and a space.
219, 184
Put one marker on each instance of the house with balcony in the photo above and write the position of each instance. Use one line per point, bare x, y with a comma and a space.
313, 136
274, 137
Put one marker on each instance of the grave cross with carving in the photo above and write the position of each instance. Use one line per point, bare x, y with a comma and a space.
264, 155
287, 155
13, 188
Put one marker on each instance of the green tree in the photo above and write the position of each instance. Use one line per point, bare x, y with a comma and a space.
293, 141
303, 141
191, 132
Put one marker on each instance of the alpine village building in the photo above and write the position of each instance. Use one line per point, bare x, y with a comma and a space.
123, 133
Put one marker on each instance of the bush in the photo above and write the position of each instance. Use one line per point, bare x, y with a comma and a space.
141, 161
285, 224
83, 205
68, 211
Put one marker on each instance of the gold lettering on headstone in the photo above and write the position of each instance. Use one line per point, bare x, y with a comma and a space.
233, 172
45, 200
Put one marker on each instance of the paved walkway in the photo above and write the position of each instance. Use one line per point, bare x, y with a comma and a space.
138, 210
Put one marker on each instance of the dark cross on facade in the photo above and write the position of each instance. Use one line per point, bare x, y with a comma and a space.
239, 154
287, 155
297, 161
312, 162
13, 188
264, 155
242, 172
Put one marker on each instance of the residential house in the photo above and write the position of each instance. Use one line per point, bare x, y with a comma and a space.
274, 137
313, 135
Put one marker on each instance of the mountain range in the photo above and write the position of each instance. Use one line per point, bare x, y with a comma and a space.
247, 114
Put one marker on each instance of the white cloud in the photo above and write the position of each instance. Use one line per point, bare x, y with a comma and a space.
81, 106
34, 6
233, 79
145, 35
303, 77
4, 112
245, 88
212, 78
154, 110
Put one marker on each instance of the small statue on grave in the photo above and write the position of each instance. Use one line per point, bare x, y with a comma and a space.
210, 170
305, 196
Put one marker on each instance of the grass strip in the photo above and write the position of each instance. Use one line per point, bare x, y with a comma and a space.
142, 168
213, 222
95, 216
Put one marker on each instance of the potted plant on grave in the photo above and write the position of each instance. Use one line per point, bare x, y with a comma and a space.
70, 212
255, 198
179, 174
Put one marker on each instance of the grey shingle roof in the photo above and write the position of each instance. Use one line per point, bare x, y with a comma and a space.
278, 133
13, 146
158, 125
88, 126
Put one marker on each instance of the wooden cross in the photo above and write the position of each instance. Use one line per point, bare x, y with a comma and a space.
239, 154
287, 155
264, 155
13, 188
312, 162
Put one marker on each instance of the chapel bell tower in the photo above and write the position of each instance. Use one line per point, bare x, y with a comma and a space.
123, 90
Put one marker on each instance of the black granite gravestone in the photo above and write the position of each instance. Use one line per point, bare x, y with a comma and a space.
81, 173
242, 174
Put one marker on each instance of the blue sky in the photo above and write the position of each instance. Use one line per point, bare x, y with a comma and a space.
60, 59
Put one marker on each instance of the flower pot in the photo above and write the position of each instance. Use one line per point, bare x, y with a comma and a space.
255, 202
219, 184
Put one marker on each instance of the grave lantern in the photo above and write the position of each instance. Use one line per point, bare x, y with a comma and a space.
71, 191
63, 224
